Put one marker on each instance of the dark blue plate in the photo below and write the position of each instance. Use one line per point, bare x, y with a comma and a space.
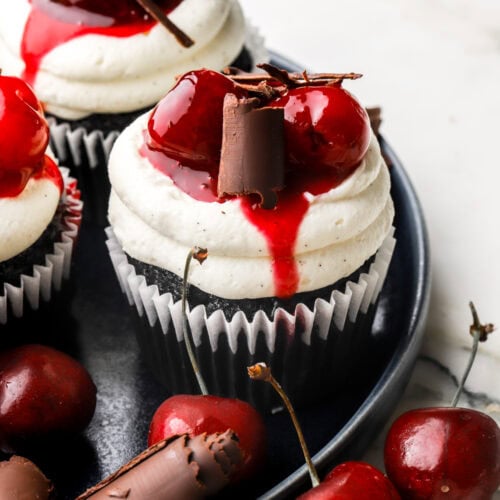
97, 329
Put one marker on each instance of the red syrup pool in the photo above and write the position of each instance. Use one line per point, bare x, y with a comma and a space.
13, 182
51, 24
279, 226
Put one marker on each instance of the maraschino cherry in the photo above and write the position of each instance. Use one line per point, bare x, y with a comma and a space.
197, 414
24, 132
109, 13
325, 127
446, 453
347, 481
44, 395
179, 126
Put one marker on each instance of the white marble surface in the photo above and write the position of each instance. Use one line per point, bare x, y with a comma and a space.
434, 67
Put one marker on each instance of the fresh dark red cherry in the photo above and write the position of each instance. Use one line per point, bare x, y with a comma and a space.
101, 13
325, 127
44, 394
186, 125
24, 132
353, 481
448, 453
196, 414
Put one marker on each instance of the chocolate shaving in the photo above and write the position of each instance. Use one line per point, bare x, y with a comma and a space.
375, 115
281, 75
277, 81
156, 13
293, 79
252, 155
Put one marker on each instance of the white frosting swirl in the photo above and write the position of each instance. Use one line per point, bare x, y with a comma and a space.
100, 74
25, 217
158, 223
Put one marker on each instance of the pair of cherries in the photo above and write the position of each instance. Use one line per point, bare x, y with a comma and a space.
325, 126
430, 453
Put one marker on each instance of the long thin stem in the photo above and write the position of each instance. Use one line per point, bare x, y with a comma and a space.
261, 371
185, 331
479, 333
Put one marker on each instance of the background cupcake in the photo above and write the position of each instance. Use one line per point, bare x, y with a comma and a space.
40, 209
104, 63
294, 284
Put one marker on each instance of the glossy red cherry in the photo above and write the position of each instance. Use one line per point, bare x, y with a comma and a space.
44, 394
196, 414
324, 127
186, 125
353, 481
24, 132
108, 13
448, 453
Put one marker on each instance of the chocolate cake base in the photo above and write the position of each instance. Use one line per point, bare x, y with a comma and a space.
309, 362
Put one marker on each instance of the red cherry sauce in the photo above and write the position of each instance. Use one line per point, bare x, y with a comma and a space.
279, 226
13, 182
52, 23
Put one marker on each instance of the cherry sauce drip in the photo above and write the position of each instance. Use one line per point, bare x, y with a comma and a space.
279, 226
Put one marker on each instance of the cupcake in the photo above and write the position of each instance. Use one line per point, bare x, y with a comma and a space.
40, 209
280, 178
105, 63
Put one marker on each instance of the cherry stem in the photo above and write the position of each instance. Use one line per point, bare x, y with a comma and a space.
479, 333
200, 255
156, 13
261, 371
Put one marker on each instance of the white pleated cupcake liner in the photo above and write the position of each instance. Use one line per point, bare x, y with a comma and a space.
311, 351
47, 278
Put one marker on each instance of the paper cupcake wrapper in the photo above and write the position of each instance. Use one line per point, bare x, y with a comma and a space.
91, 149
47, 278
311, 352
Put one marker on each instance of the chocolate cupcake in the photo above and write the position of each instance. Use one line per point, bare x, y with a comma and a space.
40, 207
106, 63
282, 180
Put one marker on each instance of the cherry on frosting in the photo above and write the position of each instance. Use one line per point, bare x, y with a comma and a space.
24, 136
186, 125
324, 127
184, 136
99, 13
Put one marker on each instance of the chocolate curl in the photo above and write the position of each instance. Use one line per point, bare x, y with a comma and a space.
21, 478
180, 467
252, 155
375, 115
158, 15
